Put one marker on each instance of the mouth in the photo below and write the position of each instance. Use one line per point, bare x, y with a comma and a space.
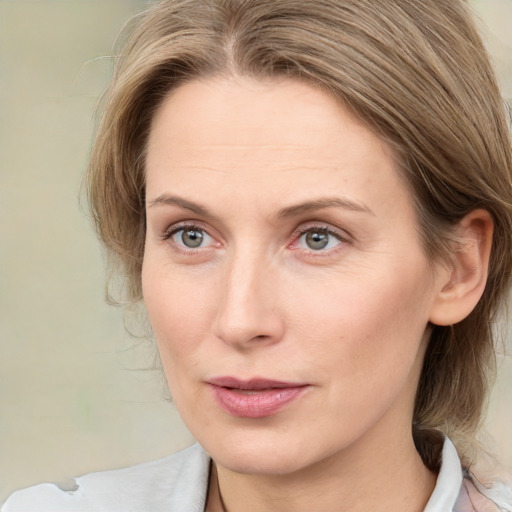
254, 398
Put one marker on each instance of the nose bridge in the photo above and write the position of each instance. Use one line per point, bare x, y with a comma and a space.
248, 309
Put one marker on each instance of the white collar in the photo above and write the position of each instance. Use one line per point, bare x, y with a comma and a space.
449, 481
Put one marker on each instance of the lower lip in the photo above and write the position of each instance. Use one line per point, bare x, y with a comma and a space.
256, 404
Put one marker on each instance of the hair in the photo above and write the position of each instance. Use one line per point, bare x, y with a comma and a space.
416, 71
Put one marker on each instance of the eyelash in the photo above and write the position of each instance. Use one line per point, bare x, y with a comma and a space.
297, 234
303, 230
172, 230
176, 228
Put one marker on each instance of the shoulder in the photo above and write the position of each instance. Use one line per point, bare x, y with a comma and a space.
457, 490
483, 498
178, 482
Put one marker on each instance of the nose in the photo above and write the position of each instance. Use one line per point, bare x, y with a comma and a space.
248, 313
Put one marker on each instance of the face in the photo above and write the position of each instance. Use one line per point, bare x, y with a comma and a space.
283, 274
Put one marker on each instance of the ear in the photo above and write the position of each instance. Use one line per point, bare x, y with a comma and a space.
463, 283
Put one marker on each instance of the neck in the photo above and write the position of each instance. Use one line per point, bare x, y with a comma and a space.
392, 477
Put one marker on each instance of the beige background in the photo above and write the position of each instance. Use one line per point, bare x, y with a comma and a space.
72, 399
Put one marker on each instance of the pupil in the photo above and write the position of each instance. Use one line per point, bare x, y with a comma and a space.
317, 240
192, 238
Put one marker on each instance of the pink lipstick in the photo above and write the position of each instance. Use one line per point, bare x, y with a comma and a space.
255, 398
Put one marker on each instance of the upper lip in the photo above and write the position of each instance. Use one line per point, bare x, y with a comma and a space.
252, 384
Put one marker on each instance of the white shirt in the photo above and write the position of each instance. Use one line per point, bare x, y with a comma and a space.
179, 483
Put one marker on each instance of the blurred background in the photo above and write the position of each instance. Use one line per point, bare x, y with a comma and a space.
76, 391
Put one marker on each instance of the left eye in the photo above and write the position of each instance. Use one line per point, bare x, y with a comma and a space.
317, 239
191, 237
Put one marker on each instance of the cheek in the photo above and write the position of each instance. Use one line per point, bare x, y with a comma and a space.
179, 312
367, 352
178, 316
369, 331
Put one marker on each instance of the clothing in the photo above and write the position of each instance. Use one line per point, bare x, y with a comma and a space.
179, 483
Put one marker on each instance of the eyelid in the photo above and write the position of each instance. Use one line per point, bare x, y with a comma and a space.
341, 235
176, 227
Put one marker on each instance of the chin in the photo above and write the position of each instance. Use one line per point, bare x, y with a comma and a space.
257, 461
265, 453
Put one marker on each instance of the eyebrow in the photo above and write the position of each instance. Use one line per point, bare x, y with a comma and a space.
328, 202
290, 211
169, 200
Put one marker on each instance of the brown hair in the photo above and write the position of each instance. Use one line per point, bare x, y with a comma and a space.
415, 70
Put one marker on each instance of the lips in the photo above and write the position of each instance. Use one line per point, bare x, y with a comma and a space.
255, 398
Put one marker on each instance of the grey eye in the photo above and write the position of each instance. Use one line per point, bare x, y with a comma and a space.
192, 238
317, 240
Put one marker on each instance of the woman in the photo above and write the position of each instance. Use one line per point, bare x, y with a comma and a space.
314, 202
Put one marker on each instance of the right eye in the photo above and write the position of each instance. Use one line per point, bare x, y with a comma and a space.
190, 237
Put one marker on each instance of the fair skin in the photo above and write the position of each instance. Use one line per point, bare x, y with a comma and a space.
282, 244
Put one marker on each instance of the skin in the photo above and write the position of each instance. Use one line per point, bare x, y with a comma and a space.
229, 158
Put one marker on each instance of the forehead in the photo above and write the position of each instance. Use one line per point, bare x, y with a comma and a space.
287, 112
280, 137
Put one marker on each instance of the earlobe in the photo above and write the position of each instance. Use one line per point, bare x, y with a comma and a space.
461, 287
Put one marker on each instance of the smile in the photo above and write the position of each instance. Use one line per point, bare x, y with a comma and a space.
255, 398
